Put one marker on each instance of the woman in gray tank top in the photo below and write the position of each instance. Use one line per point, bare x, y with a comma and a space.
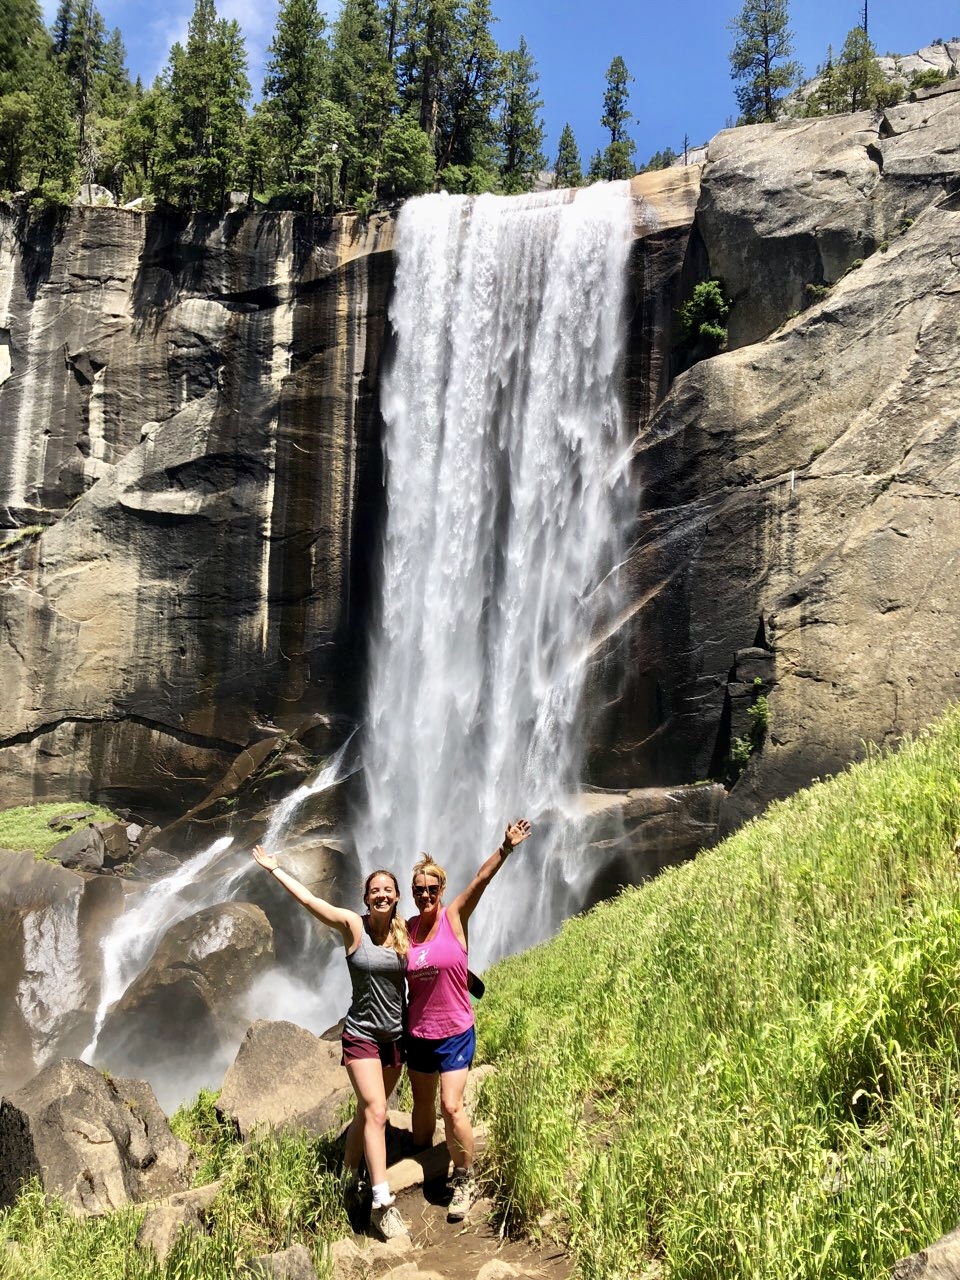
376, 947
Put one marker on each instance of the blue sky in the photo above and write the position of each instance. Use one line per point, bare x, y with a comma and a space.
676, 52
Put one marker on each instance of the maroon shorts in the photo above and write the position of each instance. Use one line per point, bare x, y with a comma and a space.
390, 1052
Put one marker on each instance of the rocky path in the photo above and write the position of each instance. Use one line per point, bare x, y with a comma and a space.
439, 1250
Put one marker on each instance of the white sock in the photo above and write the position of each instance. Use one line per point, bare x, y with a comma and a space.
381, 1195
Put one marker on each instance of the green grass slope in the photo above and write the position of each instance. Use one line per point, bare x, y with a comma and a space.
749, 1067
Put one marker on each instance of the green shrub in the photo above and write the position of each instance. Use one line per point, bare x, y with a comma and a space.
703, 319
929, 78
813, 293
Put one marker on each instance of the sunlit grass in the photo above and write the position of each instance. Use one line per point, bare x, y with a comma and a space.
27, 827
748, 1067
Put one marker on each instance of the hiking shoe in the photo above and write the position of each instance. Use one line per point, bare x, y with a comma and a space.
385, 1218
464, 1194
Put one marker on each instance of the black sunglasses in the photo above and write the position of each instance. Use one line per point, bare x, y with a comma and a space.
430, 890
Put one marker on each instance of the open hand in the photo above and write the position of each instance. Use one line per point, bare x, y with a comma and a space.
266, 860
516, 833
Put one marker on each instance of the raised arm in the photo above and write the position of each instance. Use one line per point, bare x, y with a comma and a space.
347, 923
462, 907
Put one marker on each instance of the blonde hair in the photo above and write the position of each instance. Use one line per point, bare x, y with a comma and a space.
427, 867
398, 938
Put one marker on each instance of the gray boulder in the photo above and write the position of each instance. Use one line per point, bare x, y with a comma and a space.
99, 1143
294, 1263
940, 1261
187, 1004
50, 963
284, 1077
82, 850
184, 1211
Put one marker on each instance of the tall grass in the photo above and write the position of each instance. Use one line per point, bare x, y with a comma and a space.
749, 1067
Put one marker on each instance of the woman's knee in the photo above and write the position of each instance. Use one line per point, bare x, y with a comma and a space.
451, 1108
375, 1114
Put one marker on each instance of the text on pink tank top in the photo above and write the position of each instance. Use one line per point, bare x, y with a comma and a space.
439, 1004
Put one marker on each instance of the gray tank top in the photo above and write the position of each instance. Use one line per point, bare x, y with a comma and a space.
376, 975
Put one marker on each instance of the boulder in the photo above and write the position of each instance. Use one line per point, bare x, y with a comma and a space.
51, 920
186, 1006
284, 1077
116, 842
98, 1142
82, 850
630, 836
183, 1211
294, 1263
940, 1261
348, 1261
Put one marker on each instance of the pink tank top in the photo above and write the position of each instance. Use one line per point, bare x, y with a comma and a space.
438, 1004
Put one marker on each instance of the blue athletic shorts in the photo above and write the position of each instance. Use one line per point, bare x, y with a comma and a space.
452, 1053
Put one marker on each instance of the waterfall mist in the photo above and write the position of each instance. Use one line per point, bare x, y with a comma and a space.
506, 499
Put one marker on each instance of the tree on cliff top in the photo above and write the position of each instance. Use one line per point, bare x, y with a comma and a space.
292, 87
618, 157
567, 171
861, 81
759, 58
200, 149
521, 124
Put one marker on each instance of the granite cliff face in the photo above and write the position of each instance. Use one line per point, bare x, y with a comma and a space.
189, 413
800, 493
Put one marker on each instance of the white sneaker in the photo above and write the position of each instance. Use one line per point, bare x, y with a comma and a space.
386, 1219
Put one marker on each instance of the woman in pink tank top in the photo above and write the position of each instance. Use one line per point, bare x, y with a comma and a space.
440, 1038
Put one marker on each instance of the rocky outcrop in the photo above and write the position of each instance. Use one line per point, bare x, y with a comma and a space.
51, 920
187, 1005
195, 513
630, 836
284, 1077
96, 1142
802, 491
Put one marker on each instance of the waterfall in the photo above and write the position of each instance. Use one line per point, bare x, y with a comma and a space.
506, 500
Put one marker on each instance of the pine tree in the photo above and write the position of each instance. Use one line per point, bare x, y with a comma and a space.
361, 81
407, 163
37, 132
200, 133
759, 58
83, 60
596, 173
292, 89
618, 157
827, 98
139, 137
566, 170
51, 152
860, 78
521, 125
470, 85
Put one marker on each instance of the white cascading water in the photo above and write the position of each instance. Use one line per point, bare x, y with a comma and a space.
506, 501
212, 876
